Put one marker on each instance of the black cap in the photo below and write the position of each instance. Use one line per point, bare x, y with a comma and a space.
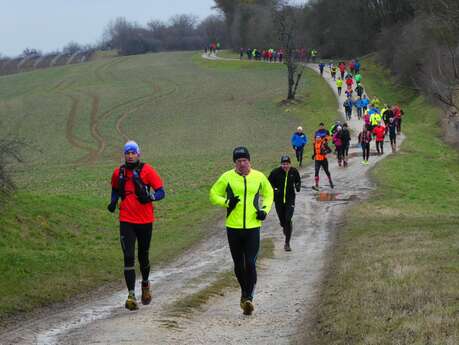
285, 159
240, 152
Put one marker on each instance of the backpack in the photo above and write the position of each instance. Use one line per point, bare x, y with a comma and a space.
324, 148
142, 191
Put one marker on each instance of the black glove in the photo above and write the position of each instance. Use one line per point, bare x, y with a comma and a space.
232, 201
298, 186
111, 207
261, 215
313, 156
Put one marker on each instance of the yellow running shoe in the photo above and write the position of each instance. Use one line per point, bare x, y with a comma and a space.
146, 294
131, 302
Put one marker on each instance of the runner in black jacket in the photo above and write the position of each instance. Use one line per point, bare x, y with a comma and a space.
346, 137
285, 180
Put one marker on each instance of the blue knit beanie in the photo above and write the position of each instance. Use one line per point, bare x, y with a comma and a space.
131, 146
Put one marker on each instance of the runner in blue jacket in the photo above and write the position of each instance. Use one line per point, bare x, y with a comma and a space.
365, 102
299, 140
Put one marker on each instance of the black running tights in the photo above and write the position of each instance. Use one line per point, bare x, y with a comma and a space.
129, 233
285, 214
366, 151
244, 245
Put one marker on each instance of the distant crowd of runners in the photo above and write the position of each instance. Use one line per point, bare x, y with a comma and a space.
247, 194
277, 55
379, 120
212, 48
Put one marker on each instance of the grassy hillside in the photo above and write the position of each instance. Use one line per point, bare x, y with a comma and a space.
187, 115
395, 275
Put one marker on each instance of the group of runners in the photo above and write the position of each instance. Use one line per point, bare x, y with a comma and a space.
212, 48
378, 120
136, 186
266, 55
277, 55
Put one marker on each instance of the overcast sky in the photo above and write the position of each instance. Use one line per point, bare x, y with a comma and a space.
48, 25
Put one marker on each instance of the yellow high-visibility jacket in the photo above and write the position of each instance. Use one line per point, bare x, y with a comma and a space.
249, 189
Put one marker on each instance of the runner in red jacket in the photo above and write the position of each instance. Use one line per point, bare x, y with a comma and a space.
349, 83
137, 184
342, 69
380, 132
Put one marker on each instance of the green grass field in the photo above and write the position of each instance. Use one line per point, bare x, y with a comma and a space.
187, 114
395, 274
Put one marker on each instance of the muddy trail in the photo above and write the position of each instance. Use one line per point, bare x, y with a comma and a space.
288, 283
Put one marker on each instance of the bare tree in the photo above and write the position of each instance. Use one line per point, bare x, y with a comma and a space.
30, 52
442, 69
71, 48
213, 28
287, 26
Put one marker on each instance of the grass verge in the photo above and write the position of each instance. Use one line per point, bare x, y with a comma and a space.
395, 273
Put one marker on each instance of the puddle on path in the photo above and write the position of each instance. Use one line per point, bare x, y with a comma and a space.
327, 196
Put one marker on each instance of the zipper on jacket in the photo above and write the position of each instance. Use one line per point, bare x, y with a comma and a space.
285, 186
245, 200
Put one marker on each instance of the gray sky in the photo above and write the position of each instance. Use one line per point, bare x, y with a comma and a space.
48, 25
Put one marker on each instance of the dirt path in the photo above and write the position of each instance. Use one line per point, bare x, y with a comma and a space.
287, 285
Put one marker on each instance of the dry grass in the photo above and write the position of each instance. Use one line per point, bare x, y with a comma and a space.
394, 277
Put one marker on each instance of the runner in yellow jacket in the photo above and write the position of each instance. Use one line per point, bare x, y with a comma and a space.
239, 191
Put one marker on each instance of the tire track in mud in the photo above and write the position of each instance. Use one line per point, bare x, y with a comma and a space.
94, 154
126, 114
71, 121
101, 143
101, 71
133, 104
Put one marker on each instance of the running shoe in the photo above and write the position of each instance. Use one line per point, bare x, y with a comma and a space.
131, 302
242, 303
287, 247
248, 307
315, 188
146, 294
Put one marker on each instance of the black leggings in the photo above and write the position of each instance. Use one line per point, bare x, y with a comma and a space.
324, 165
399, 124
285, 214
299, 155
339, 153
244, 245
366, 151
393, 139
129, 232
